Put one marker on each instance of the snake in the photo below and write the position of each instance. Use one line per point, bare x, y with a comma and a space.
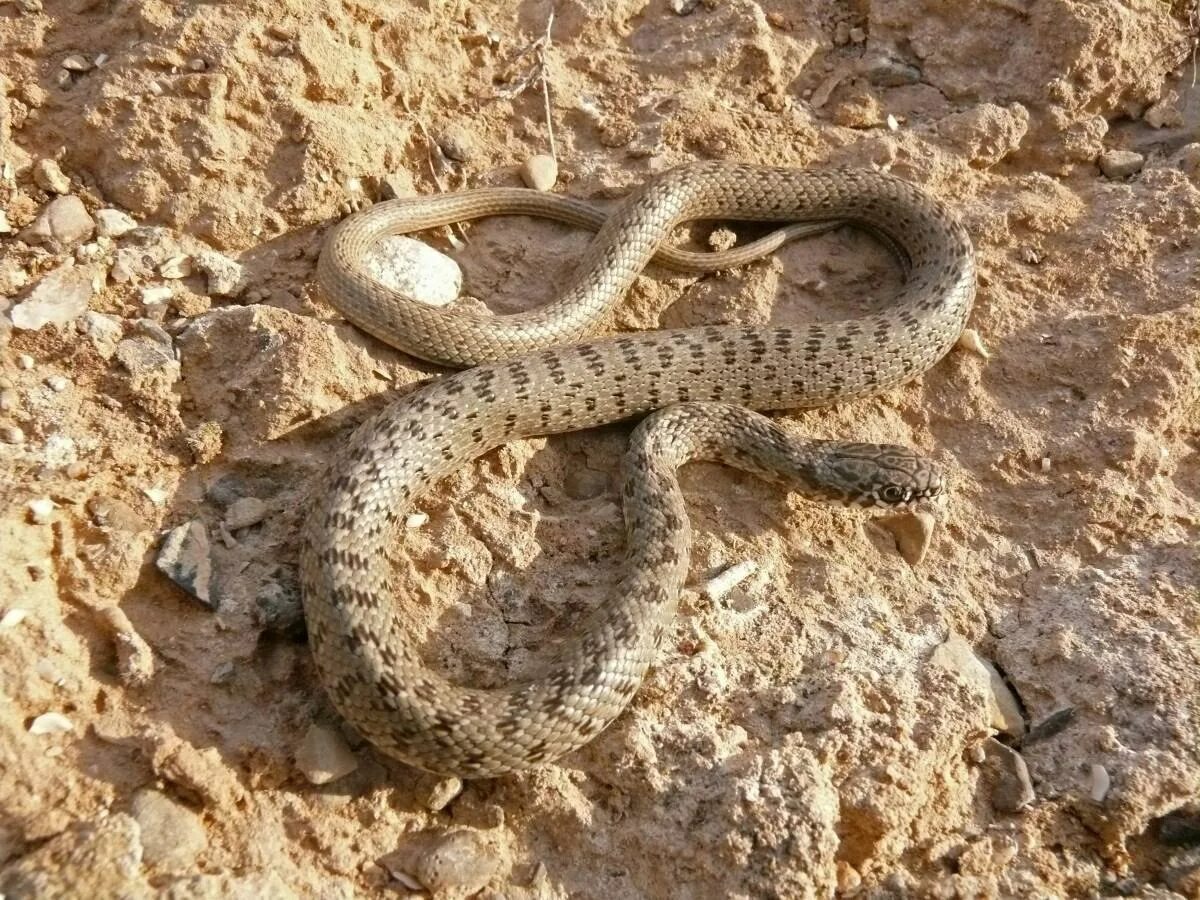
543, 371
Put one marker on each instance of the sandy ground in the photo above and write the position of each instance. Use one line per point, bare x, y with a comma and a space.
823, 728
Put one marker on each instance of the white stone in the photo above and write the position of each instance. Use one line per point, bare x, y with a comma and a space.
60, 297
717, 587
323, 756
49, 177
114, 223
415, 270
540, 172
51, 723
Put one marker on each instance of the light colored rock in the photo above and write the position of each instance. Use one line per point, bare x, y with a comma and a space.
51, 723
172, 835
684, 7
155, 295
104, 331
717, 587
1120, 163
416, 520
414, 269
13, 617
59, 298
1100, 783
135, 659
49, 177
62, 224
13, 277
1012, 790
184, 558
457, 143
40, 510
57, 383
226, 277
442, 792
245, 512
323, 755
461, 862
5, 227
395, 185
970, 341
113, 223
957, 655
540, 172
12, 434
76, 63
177, 266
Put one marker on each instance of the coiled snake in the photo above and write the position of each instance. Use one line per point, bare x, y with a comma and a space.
520, 385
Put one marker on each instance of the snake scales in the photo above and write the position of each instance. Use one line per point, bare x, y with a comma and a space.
367, 659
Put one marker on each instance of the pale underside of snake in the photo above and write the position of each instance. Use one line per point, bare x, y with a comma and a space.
531, 377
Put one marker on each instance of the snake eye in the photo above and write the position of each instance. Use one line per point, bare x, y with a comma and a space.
893, 494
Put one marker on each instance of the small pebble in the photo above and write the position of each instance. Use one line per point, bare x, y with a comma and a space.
62, 224
957, 655
40, 510
57, 383
11, 434
245, 512
1045, 464
416, 520
970, 341
1100, 782
1120, 163
184, 558
172, 835
913, 532
893, 123
1013, 791
13, 618
720, 585
113, 223
457, 143
540, 172
58, 298
135, 659
223, 674
461, 862
440, 795
226, 277
49, 177
25, 362
5, 227
156, 295
857, 35
1165, 113
177, 266
51, 723
323, 756
884, 71
76, 63
8, 400
684, 7
414, 269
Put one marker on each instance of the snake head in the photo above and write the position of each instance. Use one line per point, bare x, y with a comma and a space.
880, 475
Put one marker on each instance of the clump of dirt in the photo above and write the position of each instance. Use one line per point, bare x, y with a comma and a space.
1013, 715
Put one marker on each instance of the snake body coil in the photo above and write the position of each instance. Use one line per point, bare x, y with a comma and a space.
521, 386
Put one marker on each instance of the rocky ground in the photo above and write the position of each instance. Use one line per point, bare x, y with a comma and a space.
1015, 714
